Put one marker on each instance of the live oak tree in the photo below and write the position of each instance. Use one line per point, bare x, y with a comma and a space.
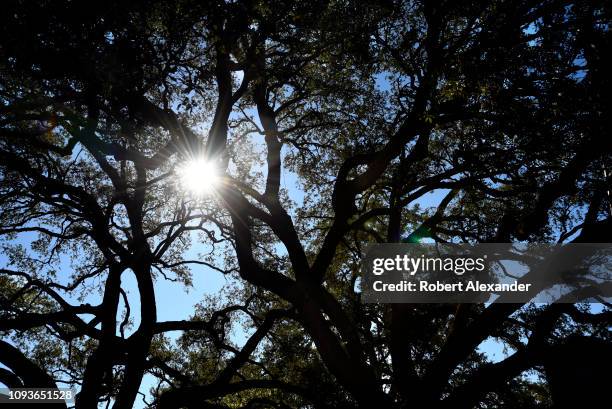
497, 108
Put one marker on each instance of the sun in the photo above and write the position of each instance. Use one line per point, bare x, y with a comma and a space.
198, 177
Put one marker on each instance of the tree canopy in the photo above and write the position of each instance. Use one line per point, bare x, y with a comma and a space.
319, 127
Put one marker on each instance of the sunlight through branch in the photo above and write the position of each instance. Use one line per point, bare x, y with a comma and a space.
198, 177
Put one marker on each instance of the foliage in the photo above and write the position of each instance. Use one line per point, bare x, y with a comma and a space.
500, 107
